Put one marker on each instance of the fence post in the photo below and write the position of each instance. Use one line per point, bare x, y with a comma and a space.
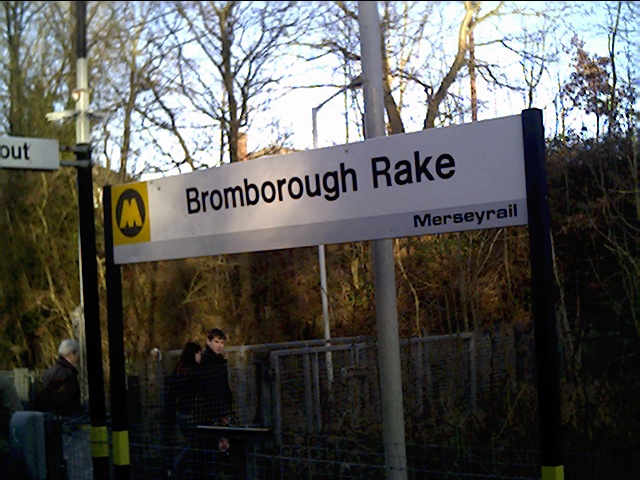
473, 373
134, 414
277, 427
22, 382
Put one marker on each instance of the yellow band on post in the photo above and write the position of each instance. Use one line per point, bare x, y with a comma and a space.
120, 447
553, 473
99, 442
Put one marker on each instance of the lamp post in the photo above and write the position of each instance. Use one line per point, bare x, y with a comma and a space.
87, 243
355, 83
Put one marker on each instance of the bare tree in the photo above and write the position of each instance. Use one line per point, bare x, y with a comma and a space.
225, 64
38, 258
228, 62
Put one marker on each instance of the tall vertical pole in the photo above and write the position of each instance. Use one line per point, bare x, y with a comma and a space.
118, 377
89, 279
542, 297
323, 266
383, 261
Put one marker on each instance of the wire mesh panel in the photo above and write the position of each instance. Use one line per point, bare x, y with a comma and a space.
314, 395
242, 380
76, 448
439, 375
469, 403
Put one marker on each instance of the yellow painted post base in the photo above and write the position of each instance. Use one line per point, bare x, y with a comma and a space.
120, 447
99, 442
553, 473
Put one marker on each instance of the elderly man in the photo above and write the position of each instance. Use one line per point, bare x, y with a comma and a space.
60, 392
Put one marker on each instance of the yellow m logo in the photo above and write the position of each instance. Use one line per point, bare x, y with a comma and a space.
130, 218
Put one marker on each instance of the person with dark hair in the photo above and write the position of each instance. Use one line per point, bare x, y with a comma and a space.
189, 358
216, 398
187, 409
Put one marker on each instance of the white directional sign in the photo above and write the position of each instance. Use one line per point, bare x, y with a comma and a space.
465, 177
29, 153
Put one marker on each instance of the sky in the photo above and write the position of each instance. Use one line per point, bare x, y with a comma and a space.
292, 110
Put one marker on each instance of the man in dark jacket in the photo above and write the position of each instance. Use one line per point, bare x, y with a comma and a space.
61, 396
216, 393
216, 403
60, 392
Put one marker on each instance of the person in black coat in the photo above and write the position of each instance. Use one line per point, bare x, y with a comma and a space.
60, 393
186, 404
216, 402
216, 393
186, 388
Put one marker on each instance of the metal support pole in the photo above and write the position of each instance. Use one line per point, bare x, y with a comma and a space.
325, 314
542, 296
89, 279
119, 416
355, 82
322, 261
383, 260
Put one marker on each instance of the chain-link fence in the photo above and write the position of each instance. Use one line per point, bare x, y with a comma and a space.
312, 410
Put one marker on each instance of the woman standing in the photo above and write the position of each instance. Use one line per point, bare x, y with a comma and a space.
187, 407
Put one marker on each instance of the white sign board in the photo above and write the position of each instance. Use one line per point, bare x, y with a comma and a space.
29, 153
465, 177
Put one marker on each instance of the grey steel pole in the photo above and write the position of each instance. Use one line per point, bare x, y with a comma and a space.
354, 83
323, 264
383, 261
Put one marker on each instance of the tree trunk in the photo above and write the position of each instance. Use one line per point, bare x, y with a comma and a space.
472, 78
459, 61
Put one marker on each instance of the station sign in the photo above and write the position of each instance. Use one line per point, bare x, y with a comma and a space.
29, 153
463, 177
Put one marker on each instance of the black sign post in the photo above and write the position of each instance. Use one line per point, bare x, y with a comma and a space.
118, 383
542, 297
542, 300
97, 407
